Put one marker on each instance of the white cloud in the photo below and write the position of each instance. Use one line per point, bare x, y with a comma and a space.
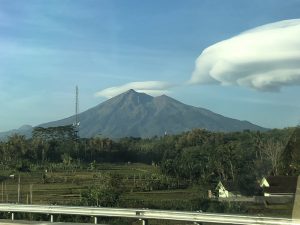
265, 58
154, 88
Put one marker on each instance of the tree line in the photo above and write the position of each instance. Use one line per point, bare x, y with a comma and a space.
195, 156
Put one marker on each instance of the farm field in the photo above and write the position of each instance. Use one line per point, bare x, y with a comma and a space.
65, 187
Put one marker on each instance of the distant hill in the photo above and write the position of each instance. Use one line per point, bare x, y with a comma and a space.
141, 115
23, 130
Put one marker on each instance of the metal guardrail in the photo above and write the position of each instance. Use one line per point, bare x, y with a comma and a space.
145, 214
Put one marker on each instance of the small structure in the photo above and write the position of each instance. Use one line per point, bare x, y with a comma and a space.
279, 186
226, 190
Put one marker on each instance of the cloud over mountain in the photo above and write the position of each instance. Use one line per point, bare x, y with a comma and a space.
154, 88
265, 58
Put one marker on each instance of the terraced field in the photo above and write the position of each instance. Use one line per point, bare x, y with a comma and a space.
65, 187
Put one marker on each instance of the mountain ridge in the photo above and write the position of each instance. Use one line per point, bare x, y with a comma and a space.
140, 115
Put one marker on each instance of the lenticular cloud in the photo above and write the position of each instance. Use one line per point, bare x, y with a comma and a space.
150, 87
265, 58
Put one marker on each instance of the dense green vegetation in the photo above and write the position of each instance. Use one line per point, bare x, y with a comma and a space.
169, 172
198, 155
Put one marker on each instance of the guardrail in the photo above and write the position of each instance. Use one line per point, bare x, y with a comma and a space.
145, 214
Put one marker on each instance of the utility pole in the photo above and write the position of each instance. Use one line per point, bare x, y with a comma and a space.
19, 188
5, 191
2, 192
30, 189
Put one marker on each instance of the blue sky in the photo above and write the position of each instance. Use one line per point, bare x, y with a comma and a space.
48, 47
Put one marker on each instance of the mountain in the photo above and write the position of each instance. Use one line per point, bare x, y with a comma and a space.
23, 130
141, 115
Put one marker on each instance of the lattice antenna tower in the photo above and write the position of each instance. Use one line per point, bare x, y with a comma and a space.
77, 122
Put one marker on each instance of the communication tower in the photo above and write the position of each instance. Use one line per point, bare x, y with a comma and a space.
77, 122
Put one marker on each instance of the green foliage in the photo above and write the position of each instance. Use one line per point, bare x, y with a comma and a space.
291, 155
24, 166
55, 133
106, 194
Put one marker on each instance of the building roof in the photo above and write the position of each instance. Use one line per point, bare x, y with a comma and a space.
228, 185
281, 184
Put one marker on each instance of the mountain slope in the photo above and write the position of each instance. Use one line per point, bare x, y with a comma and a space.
140, 115
23, 130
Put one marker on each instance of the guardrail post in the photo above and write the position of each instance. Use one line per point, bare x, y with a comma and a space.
95, 220
51, 218
12, 216
145, 222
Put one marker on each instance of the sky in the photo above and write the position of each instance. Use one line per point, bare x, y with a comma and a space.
237, 58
